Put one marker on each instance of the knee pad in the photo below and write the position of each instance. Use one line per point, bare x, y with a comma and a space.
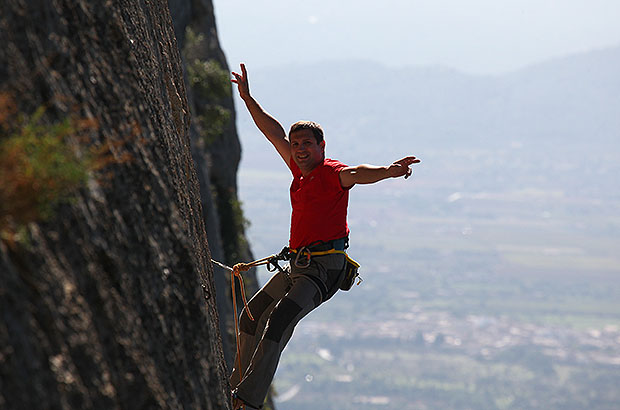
282, 316
257, 306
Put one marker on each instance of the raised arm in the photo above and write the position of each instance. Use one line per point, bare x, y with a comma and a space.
267, 124
369, 174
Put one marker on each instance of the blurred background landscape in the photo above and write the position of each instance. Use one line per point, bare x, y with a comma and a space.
491, 279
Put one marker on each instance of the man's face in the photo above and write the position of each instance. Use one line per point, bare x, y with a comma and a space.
306, 152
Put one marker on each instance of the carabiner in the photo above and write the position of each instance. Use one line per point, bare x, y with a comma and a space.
300, 252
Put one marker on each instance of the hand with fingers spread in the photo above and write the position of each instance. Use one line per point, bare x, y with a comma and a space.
369, 174
402, 167
242, 82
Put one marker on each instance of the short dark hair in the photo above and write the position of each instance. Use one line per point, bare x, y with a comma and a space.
308, 125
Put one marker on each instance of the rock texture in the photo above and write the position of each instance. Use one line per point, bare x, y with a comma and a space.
216, 157
216, 153
111, 303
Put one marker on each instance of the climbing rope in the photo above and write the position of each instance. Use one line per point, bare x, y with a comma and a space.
235, 272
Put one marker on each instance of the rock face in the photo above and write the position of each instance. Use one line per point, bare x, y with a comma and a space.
216, 149
110, 302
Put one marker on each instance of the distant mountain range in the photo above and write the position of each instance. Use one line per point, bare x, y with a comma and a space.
573, 101
510, 221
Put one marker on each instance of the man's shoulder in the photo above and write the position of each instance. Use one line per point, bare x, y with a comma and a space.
331, 172
334, 164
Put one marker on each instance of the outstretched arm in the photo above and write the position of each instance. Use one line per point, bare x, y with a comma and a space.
369, 174
268, 125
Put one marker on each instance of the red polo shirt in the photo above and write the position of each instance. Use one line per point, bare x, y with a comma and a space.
319, 204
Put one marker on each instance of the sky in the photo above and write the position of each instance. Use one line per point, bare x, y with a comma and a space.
472, 36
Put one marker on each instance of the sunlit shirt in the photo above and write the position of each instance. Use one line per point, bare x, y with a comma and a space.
319, 204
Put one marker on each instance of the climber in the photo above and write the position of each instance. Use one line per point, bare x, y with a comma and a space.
319, 196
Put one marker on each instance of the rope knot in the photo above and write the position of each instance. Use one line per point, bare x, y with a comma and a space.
242, 267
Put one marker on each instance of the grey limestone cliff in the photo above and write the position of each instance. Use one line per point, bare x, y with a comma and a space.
108, 299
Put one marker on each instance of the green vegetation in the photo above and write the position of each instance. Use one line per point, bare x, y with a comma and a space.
213, 121
211, 86
208, 79
38, 167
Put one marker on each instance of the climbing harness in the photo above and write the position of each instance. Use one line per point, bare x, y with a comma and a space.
304, 257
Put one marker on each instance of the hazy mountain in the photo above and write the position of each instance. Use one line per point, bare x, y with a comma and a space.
509, 225
573, 100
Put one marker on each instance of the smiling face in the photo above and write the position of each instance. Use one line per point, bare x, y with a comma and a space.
306, 151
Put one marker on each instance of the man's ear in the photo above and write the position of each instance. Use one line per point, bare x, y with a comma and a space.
322, 145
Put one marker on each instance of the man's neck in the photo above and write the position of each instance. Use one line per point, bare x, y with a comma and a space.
305, 173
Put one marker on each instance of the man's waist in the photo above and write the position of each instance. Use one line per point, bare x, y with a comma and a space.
339, 244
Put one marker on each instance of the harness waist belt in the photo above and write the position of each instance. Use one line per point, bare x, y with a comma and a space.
338, 244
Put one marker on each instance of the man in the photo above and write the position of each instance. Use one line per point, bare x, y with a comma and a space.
319, 198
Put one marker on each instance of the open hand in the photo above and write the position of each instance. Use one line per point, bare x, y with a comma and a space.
402, 167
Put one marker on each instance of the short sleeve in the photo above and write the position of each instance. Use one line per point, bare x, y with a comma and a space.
333, 175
